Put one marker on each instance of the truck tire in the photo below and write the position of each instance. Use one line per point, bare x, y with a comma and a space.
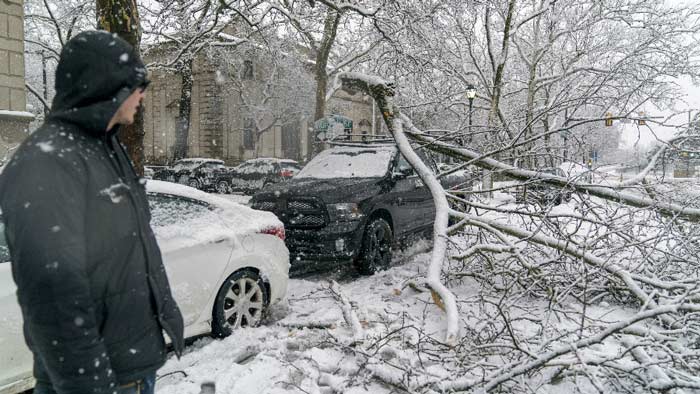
375, 252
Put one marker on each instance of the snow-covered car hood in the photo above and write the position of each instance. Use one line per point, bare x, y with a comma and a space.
228, 219
330, 190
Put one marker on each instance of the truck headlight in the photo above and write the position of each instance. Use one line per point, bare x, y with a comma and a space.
345, 211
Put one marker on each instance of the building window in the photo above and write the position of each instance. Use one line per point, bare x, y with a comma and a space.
247, 70
248, 134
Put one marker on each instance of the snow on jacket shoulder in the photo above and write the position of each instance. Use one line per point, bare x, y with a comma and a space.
91, 283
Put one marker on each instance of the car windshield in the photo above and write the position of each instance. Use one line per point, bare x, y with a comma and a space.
290, 167
169, 210
349, 163
258, 166
185, 165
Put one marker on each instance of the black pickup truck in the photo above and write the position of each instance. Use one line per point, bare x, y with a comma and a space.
350, 204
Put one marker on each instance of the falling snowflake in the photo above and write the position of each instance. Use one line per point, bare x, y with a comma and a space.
45, 146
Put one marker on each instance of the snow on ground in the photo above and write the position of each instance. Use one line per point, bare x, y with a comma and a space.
305, 346
297, 350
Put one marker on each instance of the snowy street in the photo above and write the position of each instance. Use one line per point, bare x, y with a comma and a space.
349, 197
306, 345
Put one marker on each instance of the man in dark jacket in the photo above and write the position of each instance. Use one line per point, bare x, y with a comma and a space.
90, 279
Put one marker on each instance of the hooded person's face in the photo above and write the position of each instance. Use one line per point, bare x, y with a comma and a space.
126, 112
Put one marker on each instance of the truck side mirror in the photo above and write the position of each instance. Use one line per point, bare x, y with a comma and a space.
401, 173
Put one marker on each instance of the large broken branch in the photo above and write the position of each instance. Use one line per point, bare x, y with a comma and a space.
605, 192
383, 92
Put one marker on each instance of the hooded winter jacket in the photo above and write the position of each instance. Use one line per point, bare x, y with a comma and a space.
90, 279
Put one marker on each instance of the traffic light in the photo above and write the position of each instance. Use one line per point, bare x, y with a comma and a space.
641, 121
608, 119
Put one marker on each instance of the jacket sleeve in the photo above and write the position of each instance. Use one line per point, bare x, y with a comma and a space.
45, 229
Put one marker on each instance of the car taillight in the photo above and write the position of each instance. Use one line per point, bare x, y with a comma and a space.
276, 231
286, 173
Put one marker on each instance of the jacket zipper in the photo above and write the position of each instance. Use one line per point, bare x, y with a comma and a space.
116, 148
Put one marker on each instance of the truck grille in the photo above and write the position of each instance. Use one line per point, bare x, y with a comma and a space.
303, 213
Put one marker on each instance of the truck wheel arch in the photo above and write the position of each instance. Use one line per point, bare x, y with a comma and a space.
384, 214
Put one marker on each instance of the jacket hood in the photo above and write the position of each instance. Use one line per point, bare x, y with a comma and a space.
97, 72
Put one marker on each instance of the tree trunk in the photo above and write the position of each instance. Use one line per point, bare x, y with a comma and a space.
122, 17
321, 74
182, 129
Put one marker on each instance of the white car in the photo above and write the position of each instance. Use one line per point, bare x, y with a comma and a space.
219, 256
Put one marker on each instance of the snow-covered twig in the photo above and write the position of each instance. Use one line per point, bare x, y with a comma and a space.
348, 312
602, 191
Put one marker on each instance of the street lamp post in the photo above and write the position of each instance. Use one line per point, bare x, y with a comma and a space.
471, 94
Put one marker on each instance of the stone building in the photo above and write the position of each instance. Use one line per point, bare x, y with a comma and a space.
14, 118
232, 118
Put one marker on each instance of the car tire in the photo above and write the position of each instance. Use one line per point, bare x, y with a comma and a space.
375, 252
243, 288
193, 182
222, 187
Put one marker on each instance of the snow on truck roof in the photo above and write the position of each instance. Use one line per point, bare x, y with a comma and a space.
270, 159
350, 162
200, 160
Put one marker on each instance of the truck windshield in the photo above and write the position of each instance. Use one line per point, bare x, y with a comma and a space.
349, 163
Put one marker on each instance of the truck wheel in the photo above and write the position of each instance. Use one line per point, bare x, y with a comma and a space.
375, 252
241, 302
222, 187
193, 182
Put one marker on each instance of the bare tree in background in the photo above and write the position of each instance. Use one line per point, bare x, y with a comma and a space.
596, 295
48, 26
349, 24
258, 74
122, 17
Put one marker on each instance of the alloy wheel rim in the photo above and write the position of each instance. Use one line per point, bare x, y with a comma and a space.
243, 303
378, 246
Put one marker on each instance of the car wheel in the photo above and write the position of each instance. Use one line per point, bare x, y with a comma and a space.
193, 183
240, 303
222, 187
375, 252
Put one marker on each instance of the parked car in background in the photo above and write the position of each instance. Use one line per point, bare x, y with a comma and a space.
542, 193
226, 263
198, 173
149, 171
350, 204
252, 175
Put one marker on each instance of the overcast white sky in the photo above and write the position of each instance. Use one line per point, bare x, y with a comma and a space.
688, 101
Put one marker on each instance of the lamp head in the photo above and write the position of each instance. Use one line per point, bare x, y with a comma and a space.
471, 92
